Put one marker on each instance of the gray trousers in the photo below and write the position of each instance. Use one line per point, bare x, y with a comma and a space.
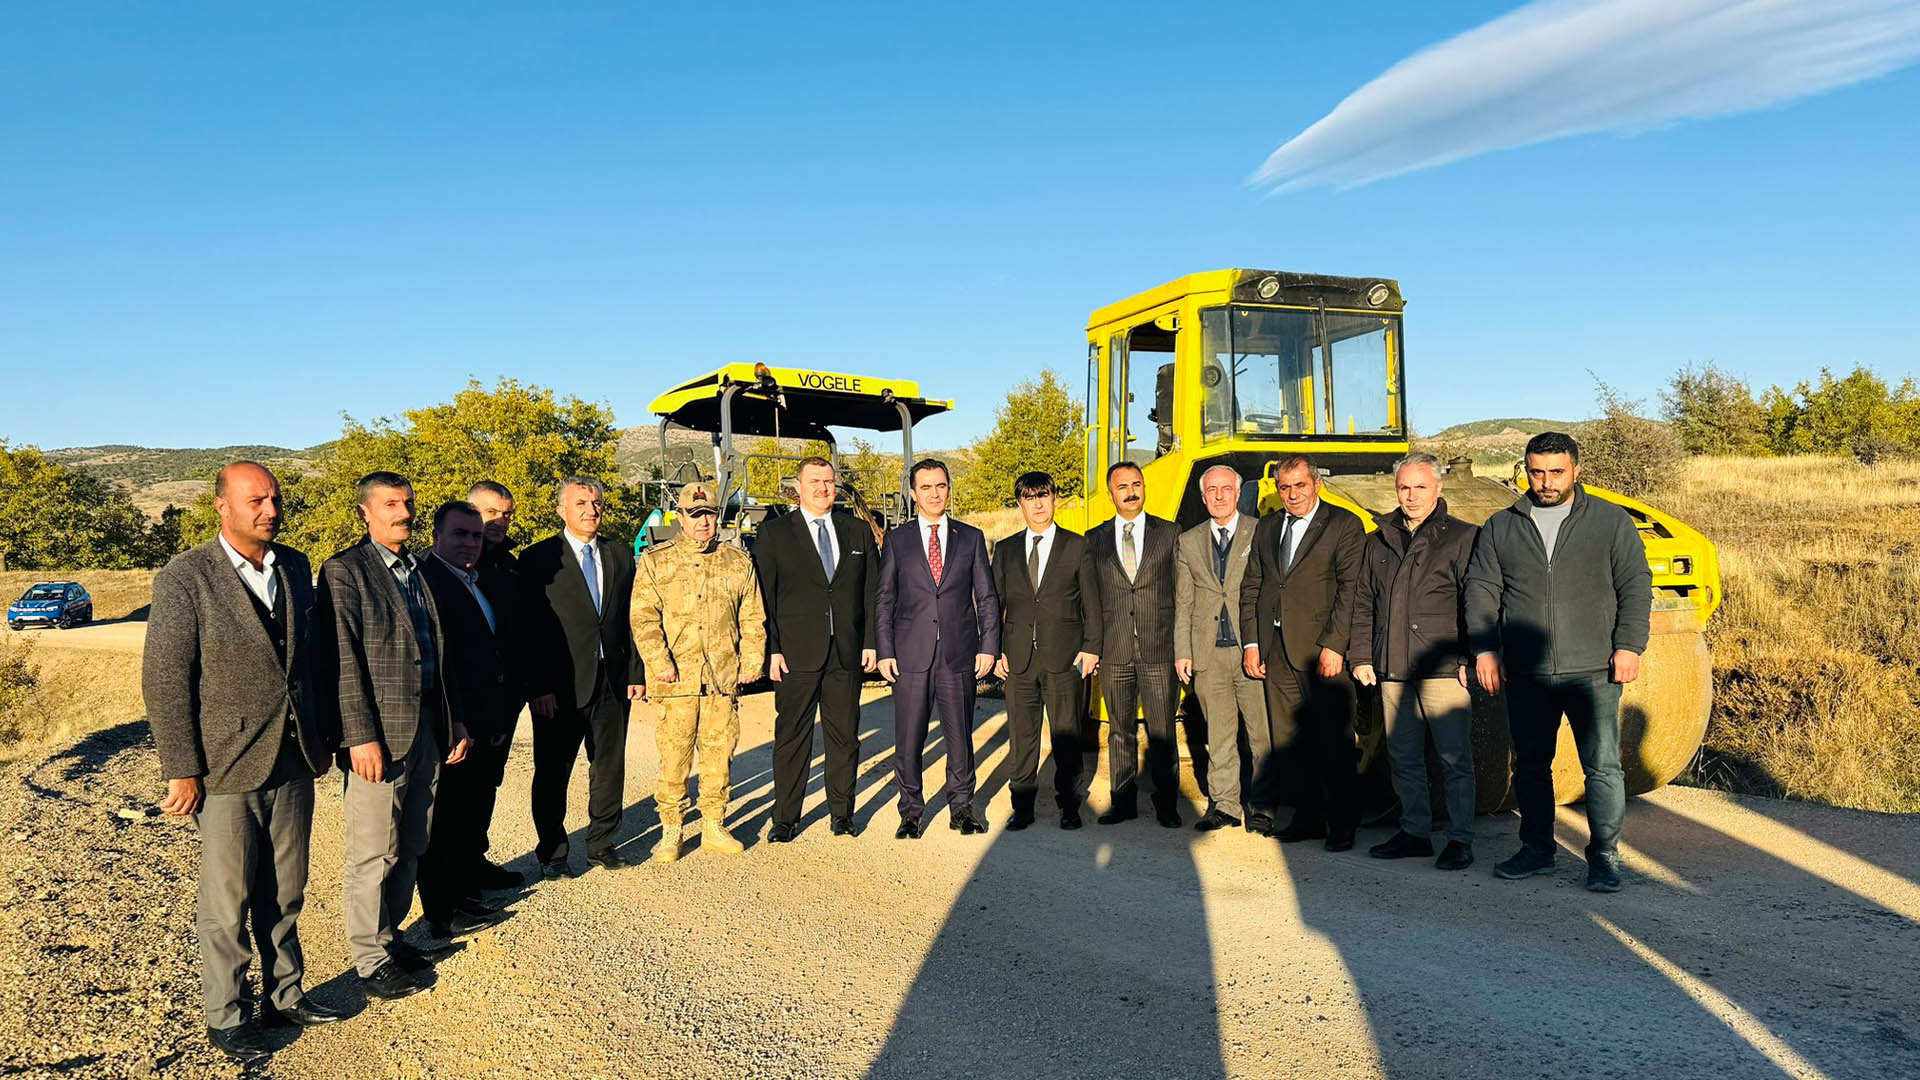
253, 866
1228, 701
387, 829
1440, 707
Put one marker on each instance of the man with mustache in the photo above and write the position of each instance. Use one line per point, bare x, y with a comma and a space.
378, 639
1134, 553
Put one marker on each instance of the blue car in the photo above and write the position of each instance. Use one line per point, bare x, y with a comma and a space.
63, 604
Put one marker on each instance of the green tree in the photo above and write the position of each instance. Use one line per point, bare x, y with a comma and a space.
1038, 427
1714, 413
1624, 451
520, 435
775, 459
1858, 415
54, 517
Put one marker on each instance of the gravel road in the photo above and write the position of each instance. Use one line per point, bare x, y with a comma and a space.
1755, 938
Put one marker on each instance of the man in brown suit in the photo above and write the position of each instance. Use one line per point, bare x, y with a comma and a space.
1296, 615
226, 681
377, 632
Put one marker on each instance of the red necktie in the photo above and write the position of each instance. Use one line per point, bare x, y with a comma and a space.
934, 562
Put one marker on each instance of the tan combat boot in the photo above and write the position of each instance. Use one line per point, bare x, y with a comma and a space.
714, 837
668, 847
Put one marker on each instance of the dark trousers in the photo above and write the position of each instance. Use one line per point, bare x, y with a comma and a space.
834, 694
1314, 754
1056, 694
1591, 703
462, 813
917, 696
1146, 690
253, 869
601, 725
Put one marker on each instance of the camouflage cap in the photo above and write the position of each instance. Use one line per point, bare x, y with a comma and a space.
699, 495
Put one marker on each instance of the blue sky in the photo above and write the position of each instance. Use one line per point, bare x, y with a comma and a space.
231, 225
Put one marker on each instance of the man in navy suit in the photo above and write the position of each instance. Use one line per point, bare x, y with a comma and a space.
939, 627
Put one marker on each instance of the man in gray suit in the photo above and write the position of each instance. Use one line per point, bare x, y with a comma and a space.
1211, 563
226, 680
378, 633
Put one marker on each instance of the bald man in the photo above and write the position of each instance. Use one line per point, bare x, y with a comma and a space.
227, 686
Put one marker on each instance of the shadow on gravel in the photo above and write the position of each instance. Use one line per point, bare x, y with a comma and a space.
88, 755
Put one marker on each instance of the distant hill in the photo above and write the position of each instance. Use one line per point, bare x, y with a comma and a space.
1495, 442
156, 477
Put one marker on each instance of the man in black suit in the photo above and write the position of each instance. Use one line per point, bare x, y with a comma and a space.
495, 504
581, 674
1134, 553
939, 624
1296, 617
1049, 644
818, 569
227, 683
379, 642
477, 609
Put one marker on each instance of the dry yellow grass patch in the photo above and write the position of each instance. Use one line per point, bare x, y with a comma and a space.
1816, 650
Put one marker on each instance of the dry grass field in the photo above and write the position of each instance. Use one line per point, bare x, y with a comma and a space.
1816, 650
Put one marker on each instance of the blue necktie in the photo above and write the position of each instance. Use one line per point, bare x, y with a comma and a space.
593, 579
825, 545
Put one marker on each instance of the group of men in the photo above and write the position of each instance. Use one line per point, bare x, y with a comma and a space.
409, 672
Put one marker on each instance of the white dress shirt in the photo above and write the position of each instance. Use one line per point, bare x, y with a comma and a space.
1046, 549
1232, 529
946, 536
1294, 529
471, 579
261, 583
599, 561
813, 535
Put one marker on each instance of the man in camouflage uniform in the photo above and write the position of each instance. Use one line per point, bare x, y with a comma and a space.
699, 625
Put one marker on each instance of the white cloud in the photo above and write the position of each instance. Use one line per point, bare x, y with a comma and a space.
1568, 67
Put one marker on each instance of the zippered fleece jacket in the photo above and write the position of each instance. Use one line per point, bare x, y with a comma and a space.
1567, 615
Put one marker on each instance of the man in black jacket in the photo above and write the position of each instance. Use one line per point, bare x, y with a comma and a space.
1134, 554
495, 504
228, 688
477, 609
818, 570
1409, 638
1049, 644
1296, 620
581, 673
1559, 602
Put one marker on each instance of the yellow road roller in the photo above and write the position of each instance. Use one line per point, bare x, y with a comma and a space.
1242, 367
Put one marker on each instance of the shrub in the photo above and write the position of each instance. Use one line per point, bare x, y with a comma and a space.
19, 681
1624, 451
1714, 413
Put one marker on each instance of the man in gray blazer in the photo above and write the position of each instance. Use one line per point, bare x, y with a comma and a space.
377, 633
226, 680
1211, 564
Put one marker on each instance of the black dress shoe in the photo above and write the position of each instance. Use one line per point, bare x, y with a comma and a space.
1260, 825
1020, 820
966, 824
418, 960
1456, 856
1115, 817
491, 875
1215, 819
1070, 817
390, 982
557, 868
610, 860
1297, 831
844, 826
1340, 840
782, 832
1402, 845
1168, 819
302, 1013
241, 1042
909, 829
462, 921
